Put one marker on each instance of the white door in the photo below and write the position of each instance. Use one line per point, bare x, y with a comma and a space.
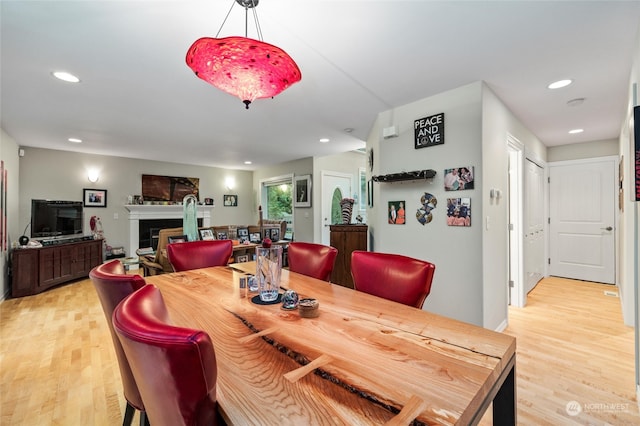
517, 296
534, 225
582, 211
335, 186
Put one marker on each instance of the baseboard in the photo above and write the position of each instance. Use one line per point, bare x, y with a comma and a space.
503, 325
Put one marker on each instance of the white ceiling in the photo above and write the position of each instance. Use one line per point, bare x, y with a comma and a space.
139, 99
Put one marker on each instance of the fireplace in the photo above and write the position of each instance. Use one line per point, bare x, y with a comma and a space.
170, 216
149, 229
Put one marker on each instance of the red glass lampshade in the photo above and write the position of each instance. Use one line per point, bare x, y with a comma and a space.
243, 67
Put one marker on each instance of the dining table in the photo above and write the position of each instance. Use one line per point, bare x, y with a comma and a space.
361, 360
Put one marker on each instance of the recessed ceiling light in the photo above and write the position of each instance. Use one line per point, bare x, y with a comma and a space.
65, 76
348, 130
75, 140
574, 131
324, 140
248, 162
558, 84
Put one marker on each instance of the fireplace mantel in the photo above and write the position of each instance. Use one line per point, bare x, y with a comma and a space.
138, 212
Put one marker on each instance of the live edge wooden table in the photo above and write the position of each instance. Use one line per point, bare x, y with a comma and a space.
362, 361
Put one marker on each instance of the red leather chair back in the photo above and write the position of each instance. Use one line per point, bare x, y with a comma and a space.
314, 260
113, 285
175, 367
199, 254
392, 276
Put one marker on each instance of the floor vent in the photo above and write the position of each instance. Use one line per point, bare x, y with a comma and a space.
611, 293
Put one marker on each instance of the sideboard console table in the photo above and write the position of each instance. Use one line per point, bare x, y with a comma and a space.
346, 238
34, 270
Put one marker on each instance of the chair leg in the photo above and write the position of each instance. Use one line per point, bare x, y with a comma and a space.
128, 415
144, 420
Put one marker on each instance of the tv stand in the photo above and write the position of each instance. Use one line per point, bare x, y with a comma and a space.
34, 270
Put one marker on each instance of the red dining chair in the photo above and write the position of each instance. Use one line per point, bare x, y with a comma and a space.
392, 276
314, 260
113, 285
175, 367
199, 254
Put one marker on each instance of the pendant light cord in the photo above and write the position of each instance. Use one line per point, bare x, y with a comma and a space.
246, 20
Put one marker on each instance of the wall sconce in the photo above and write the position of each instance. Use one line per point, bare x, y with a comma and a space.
93, 175
230, 183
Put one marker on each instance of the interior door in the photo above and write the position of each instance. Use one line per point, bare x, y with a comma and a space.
582, 211
335, 186
534, 225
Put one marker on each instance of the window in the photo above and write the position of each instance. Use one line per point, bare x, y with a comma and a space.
276, 198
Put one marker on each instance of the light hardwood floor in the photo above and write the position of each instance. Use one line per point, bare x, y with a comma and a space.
58, 367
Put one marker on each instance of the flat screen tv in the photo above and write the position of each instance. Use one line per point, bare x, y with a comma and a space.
52, 218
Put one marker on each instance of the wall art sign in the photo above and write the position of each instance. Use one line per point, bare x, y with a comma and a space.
429, 131
636, 161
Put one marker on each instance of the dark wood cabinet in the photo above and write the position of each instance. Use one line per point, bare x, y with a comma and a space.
34, 270
346, 238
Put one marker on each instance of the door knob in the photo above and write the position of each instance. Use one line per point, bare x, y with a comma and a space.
608, 228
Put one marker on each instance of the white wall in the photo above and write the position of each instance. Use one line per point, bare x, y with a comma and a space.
62, 175
456, 291
302, 217
470, 283
579, 151
497, 123
9, 156
629, 217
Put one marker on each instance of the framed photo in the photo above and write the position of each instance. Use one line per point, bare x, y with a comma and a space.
230, 201
302, 191
370, 192
243, 235
95, 197
207, 235
254, 237
459, 211
221, 235
275, 234
458, 178
177, 239
397, 213
242, 258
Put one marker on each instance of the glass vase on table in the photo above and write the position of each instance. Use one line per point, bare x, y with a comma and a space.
268, 271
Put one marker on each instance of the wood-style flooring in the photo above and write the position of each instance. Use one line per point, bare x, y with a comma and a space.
575, 359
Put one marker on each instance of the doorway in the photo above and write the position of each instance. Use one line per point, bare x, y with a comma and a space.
516, 292
582, 206
335, 186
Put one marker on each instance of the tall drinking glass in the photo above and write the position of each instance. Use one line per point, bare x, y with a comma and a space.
268, 271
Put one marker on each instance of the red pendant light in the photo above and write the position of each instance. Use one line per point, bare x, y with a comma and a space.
247, 68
